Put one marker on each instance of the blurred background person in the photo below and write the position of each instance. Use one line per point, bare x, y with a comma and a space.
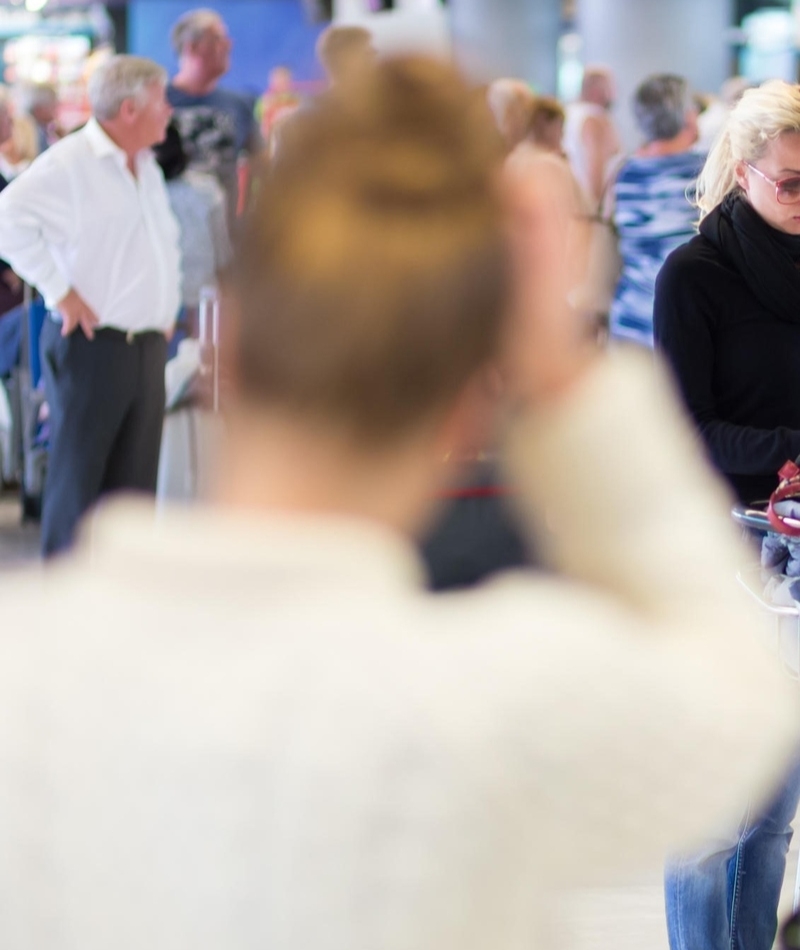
727, 316
532, 128
217, 126
591, 140
546, 129
280, 100
511, 102
651, 209
344, 52
592, 145
18, 151
713, 115
198, 203
105, 256
39, 101
10, 284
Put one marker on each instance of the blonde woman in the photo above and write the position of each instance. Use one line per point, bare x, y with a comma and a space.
17, 153
727, 316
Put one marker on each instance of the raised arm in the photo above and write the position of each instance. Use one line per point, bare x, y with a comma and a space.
655, 711
600, 143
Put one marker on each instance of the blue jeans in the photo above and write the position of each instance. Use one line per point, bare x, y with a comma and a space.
725, 897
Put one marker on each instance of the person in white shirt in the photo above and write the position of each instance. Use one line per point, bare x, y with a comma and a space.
90, 226
591, 140
264, 732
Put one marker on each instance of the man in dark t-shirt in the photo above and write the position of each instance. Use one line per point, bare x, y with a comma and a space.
216, 125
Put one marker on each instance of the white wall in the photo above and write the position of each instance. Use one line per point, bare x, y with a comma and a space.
640, 37
517, 38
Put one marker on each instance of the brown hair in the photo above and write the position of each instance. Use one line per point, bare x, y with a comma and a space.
546, 111
372, 273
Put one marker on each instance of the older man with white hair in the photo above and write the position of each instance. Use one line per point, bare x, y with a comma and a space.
89, 225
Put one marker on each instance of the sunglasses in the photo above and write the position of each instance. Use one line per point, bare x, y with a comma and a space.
787, 190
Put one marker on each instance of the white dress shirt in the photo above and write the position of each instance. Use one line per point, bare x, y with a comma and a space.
77, 218
237, 731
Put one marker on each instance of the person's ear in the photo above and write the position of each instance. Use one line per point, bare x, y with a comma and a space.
740, 170
128, 110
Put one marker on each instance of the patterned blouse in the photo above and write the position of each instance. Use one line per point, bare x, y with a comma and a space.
653, 216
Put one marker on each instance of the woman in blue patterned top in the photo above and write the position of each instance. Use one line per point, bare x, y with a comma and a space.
652, 213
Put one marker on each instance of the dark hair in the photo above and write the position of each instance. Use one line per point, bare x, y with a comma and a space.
372, 272
171, 155
546, 111
660, 105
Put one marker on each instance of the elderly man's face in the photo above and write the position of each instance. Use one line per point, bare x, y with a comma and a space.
152, 116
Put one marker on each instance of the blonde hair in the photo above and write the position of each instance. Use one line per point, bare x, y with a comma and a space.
23, 146
512, 103
760, 117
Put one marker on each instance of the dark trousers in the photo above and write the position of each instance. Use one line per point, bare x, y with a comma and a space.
106, 400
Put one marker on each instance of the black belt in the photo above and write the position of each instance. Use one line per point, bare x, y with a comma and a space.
129, 336
112, 333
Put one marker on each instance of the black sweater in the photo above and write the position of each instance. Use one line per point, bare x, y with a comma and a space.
737, 365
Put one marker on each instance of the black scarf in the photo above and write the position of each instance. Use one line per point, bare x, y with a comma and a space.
767, 258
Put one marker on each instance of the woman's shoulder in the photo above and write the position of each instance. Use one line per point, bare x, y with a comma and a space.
696, 279
698, 257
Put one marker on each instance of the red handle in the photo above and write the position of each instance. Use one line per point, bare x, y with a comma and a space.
789, 487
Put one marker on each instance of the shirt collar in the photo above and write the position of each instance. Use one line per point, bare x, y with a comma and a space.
100, 142
103, 145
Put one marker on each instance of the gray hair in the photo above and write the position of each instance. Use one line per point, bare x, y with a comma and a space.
119, 78
29, 95
660, 105
191, 27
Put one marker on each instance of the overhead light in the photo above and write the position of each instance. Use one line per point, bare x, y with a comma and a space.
35, 5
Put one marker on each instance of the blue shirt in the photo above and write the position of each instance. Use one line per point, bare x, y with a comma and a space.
653, 216
215, 129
